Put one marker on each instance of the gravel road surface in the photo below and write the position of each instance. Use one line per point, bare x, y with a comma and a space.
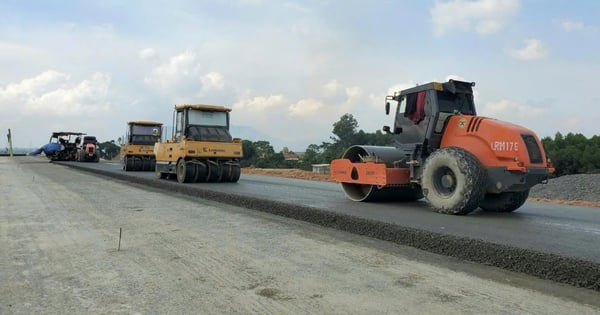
59, 233
549, 241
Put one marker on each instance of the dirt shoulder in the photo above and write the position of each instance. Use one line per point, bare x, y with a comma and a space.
307, 175
60, 232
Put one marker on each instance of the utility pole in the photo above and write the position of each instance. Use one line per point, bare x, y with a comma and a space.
10, 149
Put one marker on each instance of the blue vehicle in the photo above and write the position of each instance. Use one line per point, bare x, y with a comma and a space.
61, 147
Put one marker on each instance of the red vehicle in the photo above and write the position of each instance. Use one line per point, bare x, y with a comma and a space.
87, 151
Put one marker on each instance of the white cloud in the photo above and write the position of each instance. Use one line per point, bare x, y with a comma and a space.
147, 53
509, 110
51, 93
40, 84
180, 71
212, 81
399, 87
332, 87
182, 78
482, 16
572, 26
533, 49
308, 66
305, 108
259, 103
576, 26
353, 94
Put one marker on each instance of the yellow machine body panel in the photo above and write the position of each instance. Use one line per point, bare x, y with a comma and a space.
173, 151
137, 153
201, 149
137, 149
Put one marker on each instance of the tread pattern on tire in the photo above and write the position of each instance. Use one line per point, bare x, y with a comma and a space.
184, 171
471, 180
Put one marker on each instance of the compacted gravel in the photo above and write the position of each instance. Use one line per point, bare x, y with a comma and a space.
580, 189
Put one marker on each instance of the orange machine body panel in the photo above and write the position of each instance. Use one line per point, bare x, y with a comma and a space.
370, 173
495, 143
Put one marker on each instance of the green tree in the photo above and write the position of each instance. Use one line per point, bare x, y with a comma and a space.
590, 158
263, 148
345, 130
249, 153
380, 138
346, 134
109, 149
311, 156
573, 153
261, 154
332, 151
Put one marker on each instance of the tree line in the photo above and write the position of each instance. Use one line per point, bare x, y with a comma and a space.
573, 153
570, 154
260, 154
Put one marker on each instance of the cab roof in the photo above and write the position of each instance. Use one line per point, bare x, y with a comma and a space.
214, 108
144, 123
452, 86
66, 133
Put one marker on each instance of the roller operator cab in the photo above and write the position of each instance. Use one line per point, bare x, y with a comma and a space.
69, 145
137, 153
201, 148
87, 149
446, 153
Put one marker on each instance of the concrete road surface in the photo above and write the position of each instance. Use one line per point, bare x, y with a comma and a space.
59, 238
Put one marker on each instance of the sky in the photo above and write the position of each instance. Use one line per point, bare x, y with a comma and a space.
290, 69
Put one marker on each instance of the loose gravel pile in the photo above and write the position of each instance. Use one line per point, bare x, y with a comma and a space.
581, 187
